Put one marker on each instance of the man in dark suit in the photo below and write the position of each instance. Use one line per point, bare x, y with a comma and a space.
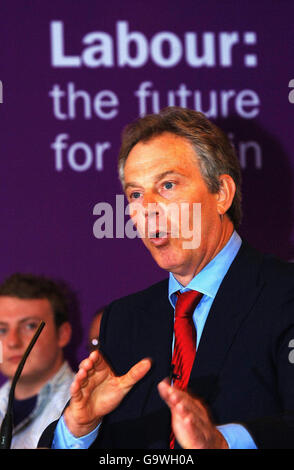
241, 388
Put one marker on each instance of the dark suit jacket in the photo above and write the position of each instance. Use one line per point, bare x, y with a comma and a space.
242, 370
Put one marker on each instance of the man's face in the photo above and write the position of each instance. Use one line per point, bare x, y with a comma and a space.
164, 171
19, 320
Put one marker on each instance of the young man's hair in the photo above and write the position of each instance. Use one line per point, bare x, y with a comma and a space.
30, 286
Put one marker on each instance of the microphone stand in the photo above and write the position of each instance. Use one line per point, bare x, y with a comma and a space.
7, 423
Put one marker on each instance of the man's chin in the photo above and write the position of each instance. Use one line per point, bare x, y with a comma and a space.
166, 260
8, 374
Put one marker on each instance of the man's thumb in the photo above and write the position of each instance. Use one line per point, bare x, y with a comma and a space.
136, 372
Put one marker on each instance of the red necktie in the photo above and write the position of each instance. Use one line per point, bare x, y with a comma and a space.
185, 341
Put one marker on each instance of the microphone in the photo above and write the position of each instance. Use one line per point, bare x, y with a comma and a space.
7, 423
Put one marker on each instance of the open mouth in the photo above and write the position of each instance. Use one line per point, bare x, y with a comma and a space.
158, 234
158, 238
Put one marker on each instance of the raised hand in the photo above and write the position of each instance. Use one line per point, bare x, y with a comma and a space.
191, 424
96, 391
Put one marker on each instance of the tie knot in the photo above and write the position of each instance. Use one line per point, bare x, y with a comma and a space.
186, 303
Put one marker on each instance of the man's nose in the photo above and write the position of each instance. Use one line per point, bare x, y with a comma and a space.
13, 338
151, 204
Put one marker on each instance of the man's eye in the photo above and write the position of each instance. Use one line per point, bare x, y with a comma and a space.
31, 326
135, 195
168, 185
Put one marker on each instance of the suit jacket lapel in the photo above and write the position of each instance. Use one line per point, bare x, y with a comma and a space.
154, 337
234, 300
155, 340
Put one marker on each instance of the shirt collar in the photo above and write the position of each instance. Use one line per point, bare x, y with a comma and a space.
54, 383
210, 277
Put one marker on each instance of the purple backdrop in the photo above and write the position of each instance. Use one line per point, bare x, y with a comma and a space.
76, 72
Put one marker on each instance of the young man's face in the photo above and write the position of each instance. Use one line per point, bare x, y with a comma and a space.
19, 319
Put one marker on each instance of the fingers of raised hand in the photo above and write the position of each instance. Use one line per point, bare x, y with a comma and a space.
87, 368
94, 360
168, 393
179, 401
80, 381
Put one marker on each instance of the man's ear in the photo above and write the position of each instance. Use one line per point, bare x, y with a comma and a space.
64, 334
225, 194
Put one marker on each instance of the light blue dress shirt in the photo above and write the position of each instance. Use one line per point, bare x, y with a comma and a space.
207, 281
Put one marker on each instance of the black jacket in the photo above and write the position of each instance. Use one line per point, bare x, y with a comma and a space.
242, 370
